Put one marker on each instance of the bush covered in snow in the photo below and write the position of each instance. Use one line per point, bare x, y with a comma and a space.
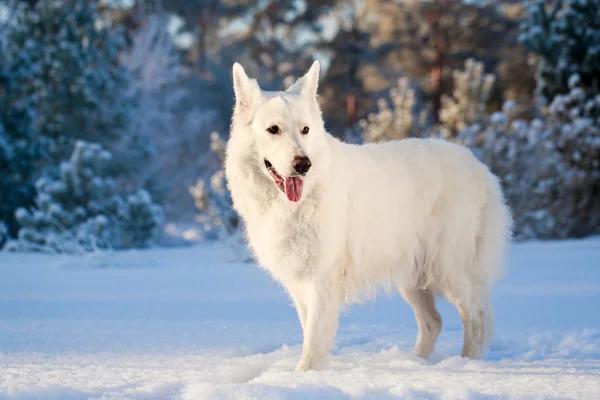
550, 170
80, 210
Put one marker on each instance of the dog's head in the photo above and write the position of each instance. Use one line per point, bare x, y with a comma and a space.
286, 129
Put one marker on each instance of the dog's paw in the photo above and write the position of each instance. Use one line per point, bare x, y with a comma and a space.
305, 367
310, 364
302, 367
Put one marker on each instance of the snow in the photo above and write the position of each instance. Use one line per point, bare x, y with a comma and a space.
194, 323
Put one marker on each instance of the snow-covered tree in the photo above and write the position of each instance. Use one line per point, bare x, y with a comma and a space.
65, 61
468, 103
396, 122
81, 210
566, 37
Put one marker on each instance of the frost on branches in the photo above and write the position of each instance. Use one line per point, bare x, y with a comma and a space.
154, 126
575, 104
213, 200
468, 103
393, 123
80, 210
549, 168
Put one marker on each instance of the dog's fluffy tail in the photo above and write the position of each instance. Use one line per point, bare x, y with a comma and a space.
495, 235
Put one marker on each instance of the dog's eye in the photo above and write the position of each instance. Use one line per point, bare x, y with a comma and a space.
305, 130
273, 129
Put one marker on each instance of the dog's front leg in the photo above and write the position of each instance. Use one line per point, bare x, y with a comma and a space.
323, 306
299, 294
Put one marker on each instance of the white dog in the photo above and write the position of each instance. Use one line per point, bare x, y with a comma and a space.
334, 222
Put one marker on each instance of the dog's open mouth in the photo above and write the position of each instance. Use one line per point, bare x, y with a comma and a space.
291, 186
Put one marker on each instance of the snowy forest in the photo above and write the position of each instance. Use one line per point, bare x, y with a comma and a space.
114, 113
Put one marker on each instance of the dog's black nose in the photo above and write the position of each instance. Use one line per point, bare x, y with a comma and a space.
302, 164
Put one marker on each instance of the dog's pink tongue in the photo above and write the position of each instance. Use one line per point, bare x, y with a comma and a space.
293, 188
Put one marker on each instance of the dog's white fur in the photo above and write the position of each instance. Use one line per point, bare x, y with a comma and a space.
422, 215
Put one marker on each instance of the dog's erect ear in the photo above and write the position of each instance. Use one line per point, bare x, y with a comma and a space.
247, 91
309, 83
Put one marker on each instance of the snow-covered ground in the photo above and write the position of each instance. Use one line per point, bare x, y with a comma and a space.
191, 323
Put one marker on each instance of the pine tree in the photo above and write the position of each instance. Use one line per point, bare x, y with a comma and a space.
63, 58
566, 37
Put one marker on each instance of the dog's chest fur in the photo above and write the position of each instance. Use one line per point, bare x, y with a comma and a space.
286, 238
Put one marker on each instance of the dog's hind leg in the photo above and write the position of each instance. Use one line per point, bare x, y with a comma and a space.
476, 315
429, 320
322, 313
